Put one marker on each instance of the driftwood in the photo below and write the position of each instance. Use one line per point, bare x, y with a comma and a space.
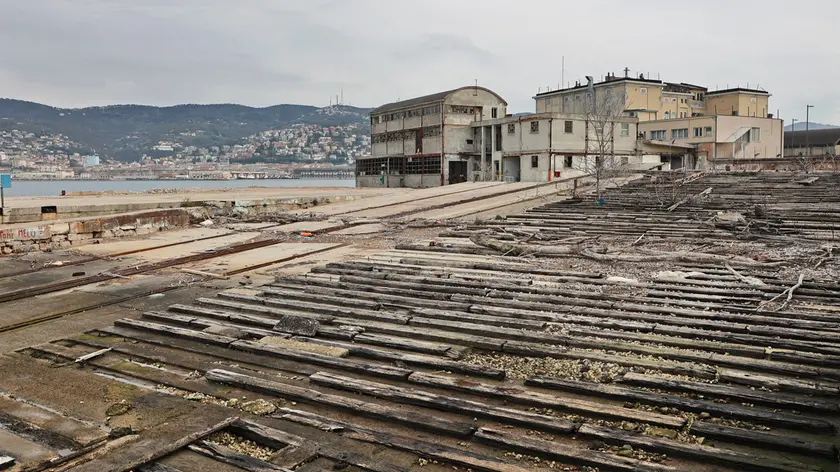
743, 278
639, 255
788, 292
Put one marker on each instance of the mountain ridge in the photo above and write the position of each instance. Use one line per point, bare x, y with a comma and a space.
127, 131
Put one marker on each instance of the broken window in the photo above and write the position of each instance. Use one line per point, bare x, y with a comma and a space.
511, 128
535, 161
567, 162
569, 126
494, 112
535, 126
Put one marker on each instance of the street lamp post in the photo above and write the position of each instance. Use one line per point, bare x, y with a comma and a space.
793, 136
807, 124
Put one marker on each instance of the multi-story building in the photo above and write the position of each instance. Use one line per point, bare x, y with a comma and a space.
545, 146
426, 141
648, 99
465, 134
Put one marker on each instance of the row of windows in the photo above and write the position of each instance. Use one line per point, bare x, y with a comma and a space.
425, 111
662, 135
427, 132
568, 127
398, 165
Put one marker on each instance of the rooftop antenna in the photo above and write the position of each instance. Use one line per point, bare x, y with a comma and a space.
562, 69
626, 72
475, 90
342, 96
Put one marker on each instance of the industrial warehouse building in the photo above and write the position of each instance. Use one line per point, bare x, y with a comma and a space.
465, 134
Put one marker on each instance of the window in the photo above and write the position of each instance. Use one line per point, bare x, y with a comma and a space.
698, 132
566, 99
643, 91
511, 128
567, 161
469, 141
494, 112
752, 100
667, 115
535, 126
679, 133
708, 130
569, 127
535, 161
625, 129
577, 97
658, 135
755, 135
548, 101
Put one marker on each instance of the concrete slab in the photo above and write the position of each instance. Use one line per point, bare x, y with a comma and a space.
157, 239
23, 450
362, 229
233, 262
197, 247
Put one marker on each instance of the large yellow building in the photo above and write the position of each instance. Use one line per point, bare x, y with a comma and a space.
648, 99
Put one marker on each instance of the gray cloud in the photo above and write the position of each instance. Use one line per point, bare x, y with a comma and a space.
263, 52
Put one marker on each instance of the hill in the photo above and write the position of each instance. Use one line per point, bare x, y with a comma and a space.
126, 132
811, 126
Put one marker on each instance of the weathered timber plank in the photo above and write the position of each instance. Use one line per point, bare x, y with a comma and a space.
223, 454
524, 396
558, 352
175, 331
260, 309
686, 404
483, 319
739, 460
317, 308
269, 387
437, 335
760, 397
318, 359
412, 359
443, 403
565, 454
763, 439
438, 452
201, 324
425, 347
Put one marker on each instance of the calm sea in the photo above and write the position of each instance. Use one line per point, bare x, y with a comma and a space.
29, 188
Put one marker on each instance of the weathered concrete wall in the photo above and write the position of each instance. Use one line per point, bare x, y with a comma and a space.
61, 235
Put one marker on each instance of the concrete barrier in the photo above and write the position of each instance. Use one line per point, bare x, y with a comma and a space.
22, 238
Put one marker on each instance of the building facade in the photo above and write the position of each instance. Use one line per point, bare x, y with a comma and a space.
710, 138
648, 99
426, 141
545, 146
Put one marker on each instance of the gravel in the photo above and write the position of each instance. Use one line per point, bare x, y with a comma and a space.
241, 445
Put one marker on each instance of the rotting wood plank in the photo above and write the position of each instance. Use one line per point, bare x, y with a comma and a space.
383, 295
524, 396
764, 439
558, 352
318, 359
444, 403
157, 467
412, 359
228, 456
785, 384
425, 347
747, 395
317, 308
174, 331
436, 335
201, 324
685, 404
479, 319
255, 320
270, 387
566, 454
741, 461
260, 309
434, 451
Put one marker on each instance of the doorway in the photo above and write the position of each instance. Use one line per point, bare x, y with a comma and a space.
511, 169
457, 172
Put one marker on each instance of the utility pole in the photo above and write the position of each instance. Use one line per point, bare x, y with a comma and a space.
807, 124
792, 136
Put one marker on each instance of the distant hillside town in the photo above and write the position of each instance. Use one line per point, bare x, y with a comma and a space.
324, 142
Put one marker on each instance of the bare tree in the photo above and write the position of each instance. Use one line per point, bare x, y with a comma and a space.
603, 113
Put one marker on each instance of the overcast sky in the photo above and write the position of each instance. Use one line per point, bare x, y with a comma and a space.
73, 53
